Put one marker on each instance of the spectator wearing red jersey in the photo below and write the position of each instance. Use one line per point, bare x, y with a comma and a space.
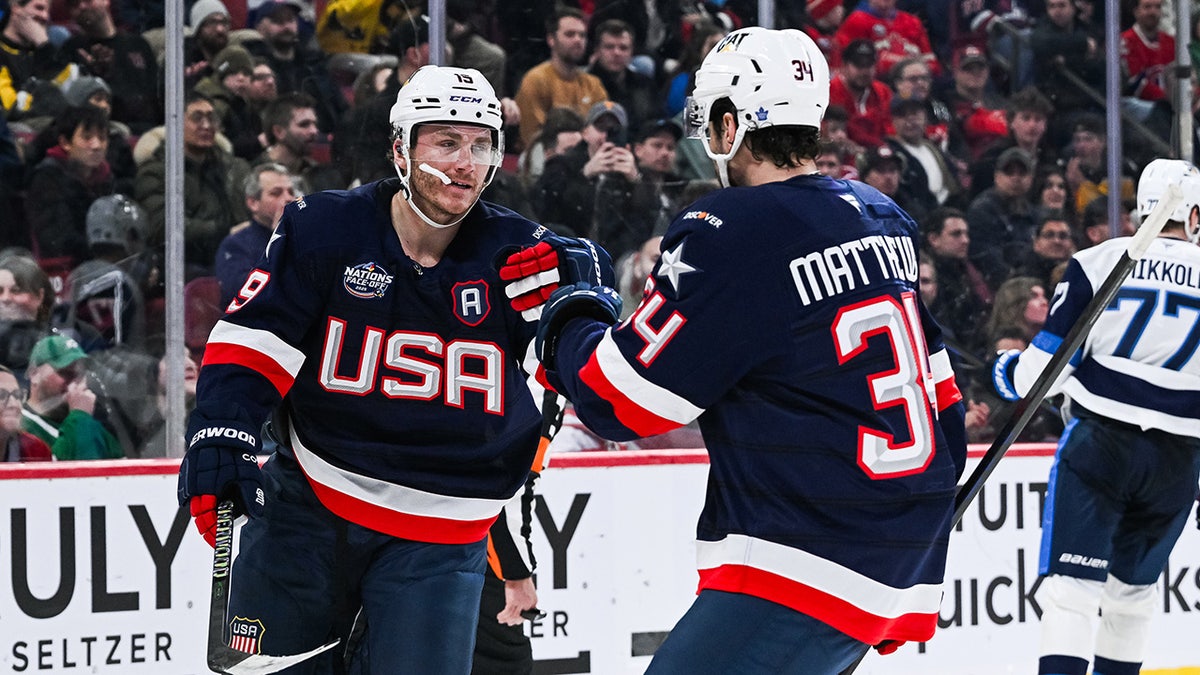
1146, 53
824, 18
979, 113
865, 99
896, 34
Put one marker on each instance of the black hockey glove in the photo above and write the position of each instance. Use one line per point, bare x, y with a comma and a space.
221, 462
533, 273
601, 303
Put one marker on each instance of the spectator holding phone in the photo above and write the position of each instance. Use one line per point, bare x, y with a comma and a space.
594, 179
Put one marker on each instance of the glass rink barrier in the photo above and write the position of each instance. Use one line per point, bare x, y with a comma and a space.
103, 573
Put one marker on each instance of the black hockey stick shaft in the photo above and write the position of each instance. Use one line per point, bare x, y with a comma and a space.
221, 657
1028, 404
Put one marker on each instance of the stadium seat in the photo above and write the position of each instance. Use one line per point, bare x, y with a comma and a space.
201, 311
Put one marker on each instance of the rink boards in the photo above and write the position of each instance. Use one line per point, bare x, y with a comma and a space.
102, 573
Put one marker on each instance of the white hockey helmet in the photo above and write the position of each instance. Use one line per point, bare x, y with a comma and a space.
1153, 184
447, 95
772, 77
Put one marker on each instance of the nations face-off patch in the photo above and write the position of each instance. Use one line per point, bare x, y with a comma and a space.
246, 635
366, 280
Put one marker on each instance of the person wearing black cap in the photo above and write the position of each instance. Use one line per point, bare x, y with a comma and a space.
298, 66
125, 61
864, 98
365, 128
232, 69
1002, 218
593, 189
928, 179
881, 168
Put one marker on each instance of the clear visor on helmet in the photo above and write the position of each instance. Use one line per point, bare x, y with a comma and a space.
443, 143
695, 121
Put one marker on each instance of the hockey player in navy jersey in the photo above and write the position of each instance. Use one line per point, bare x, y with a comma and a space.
1124, 479
784, 316
374, 336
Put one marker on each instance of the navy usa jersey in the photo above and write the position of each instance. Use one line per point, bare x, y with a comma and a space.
1138, 364
403, 386
785, 318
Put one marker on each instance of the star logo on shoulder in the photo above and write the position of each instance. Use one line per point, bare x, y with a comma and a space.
671, 266
274, 235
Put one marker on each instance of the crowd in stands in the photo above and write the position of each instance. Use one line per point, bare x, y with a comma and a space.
983, 119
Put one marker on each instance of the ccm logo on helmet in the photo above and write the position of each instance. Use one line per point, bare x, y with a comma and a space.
223, 432
467, 99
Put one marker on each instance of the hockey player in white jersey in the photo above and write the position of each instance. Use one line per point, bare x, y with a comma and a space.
1125, 475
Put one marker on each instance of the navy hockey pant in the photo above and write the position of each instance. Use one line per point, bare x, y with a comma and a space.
302, 574
726, 633
1119, 498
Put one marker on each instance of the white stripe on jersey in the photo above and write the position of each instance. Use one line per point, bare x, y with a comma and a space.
390, 496
649, 396
861, 591
264, 342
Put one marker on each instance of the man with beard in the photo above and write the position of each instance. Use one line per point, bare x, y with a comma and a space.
209, 20
290, 125
298, 67
559, 80
125, 61
61, 405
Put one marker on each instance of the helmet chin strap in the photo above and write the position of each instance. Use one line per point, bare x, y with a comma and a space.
408, 191
722, 160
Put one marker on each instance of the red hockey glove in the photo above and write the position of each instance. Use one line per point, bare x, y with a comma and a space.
536, 272
220, 462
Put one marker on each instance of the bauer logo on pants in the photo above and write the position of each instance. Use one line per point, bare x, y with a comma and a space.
246, 635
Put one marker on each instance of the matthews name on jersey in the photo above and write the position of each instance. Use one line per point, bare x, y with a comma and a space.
785, 318
407, 406
1152, 382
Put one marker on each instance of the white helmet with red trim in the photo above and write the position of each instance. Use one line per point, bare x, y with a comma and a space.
772, 77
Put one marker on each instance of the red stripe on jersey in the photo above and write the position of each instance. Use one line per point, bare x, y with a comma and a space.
402, 525
635, 417
947, 393
830, 609
241, 355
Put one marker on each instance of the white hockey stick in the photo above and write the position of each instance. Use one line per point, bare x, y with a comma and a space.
1028, 405
221, 657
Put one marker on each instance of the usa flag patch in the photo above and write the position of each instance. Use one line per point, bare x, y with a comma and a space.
246, 635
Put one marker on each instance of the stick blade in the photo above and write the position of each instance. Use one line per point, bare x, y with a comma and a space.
233, 662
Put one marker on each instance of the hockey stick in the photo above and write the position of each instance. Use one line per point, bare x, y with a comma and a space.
1028, 404
221, 657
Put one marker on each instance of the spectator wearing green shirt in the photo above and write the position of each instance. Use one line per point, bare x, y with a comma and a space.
60, 406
